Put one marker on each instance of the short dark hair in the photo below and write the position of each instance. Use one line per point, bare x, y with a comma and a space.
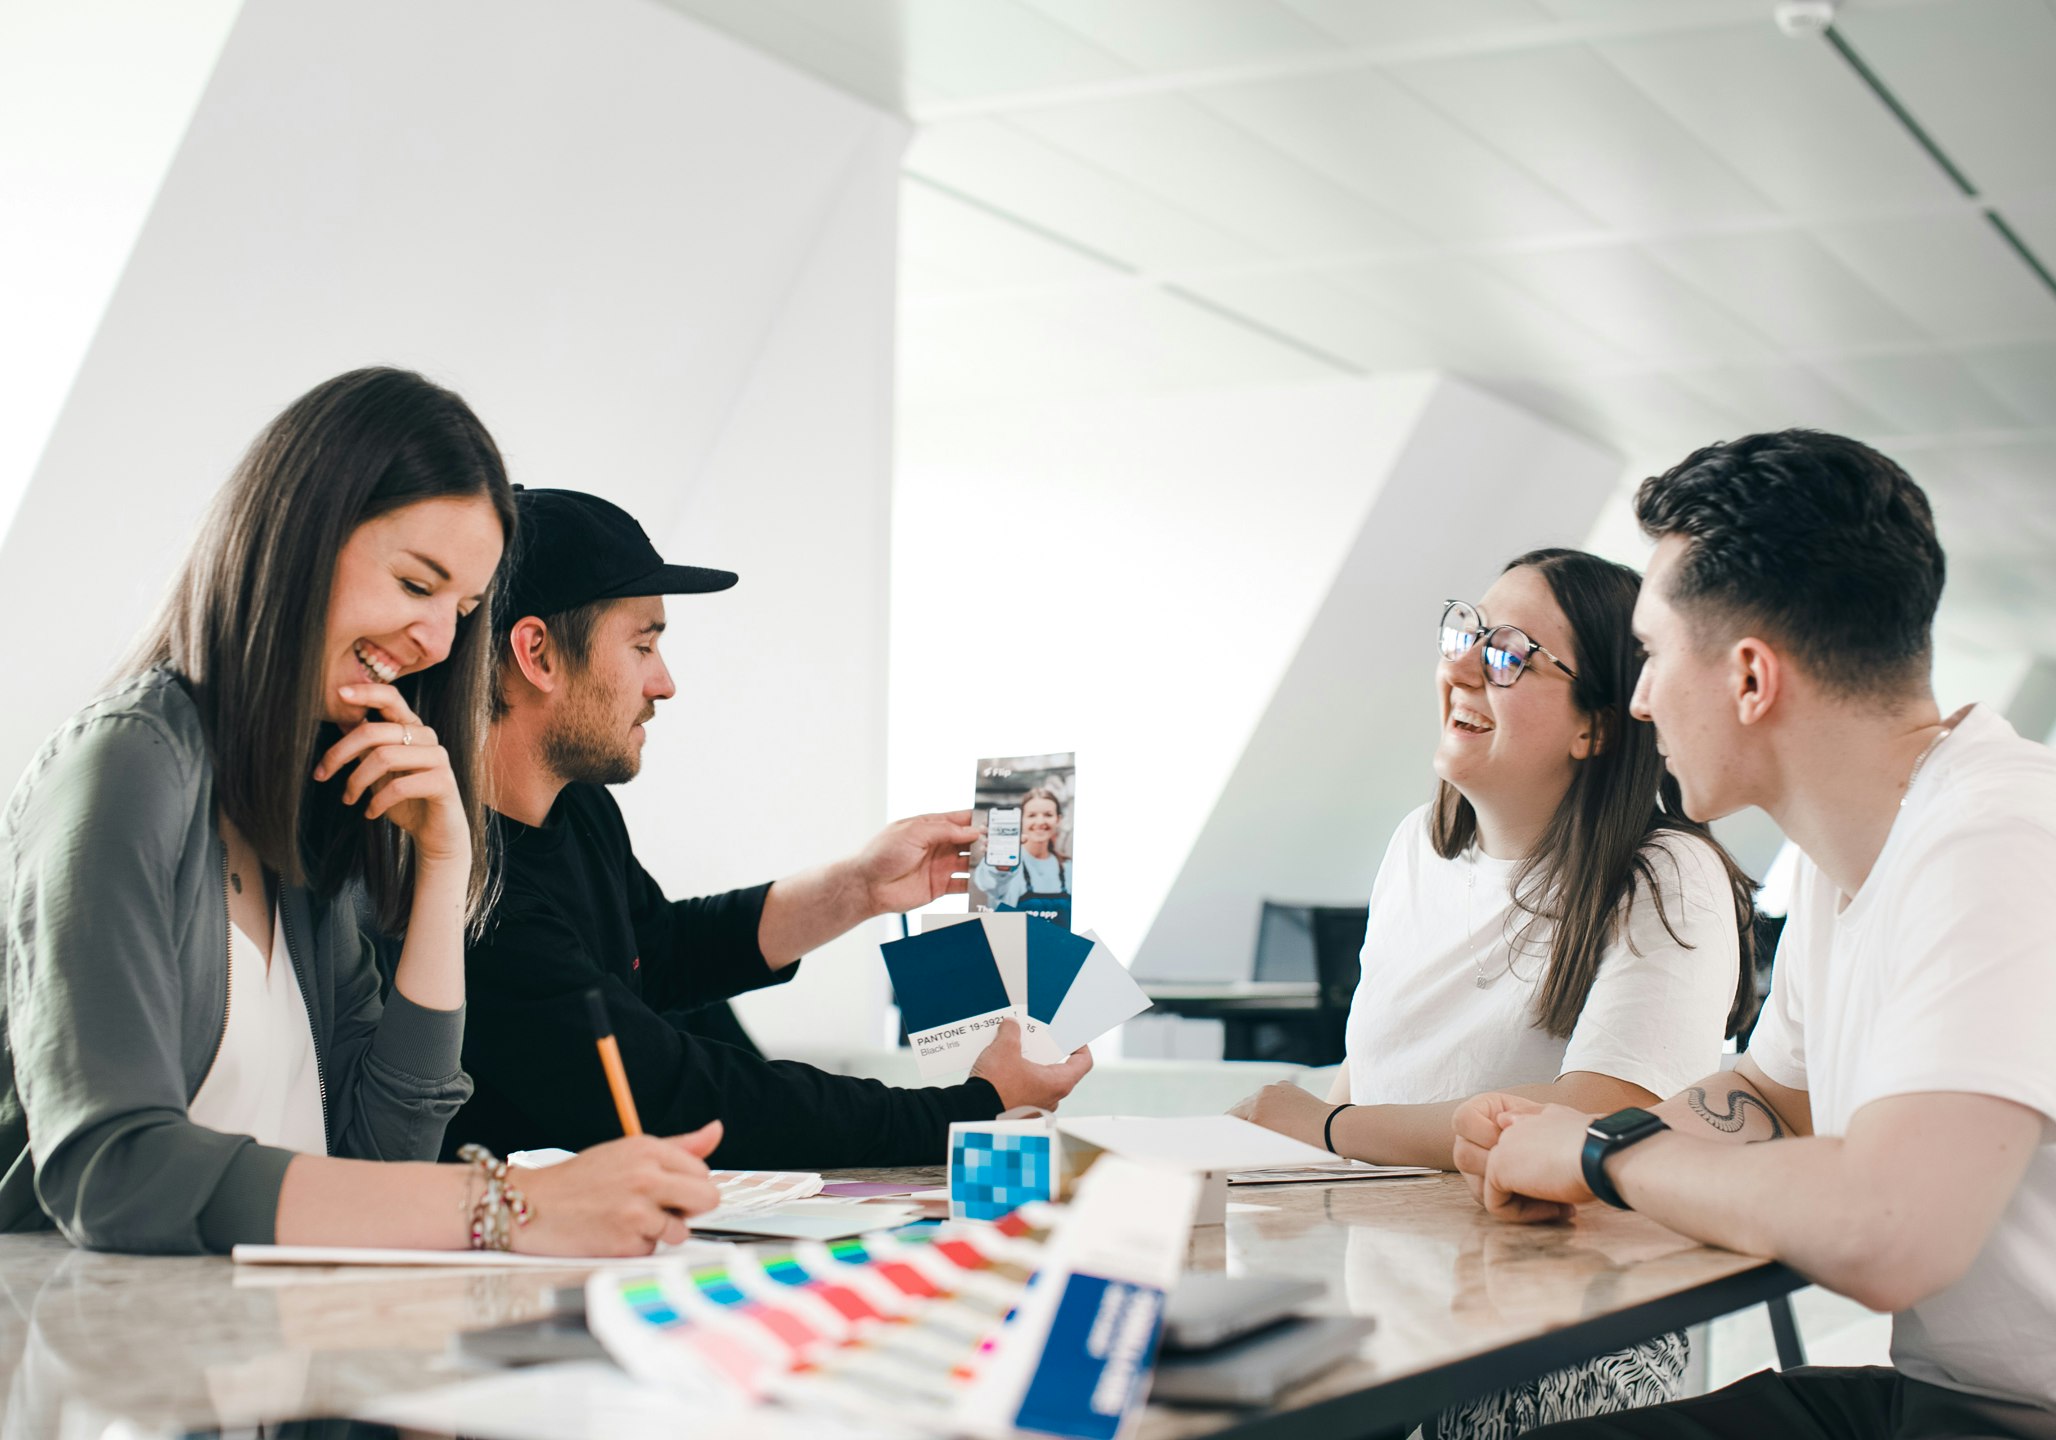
1814, 540
571, 632
245, 620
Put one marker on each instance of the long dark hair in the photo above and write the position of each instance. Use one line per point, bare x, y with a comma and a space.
245, 625
1583, 872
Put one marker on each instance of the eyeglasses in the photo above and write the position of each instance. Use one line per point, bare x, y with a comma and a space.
1507, 647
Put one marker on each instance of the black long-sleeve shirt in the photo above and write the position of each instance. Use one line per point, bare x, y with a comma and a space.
577, 910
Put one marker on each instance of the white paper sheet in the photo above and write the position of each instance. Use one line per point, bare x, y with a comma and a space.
817, 1220
589, 1400
444, 1259
1192, 1142
743, 1192
1332, 1173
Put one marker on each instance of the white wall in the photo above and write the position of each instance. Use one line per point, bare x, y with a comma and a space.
659, 265
1342, 749
94, 99
1126, 576
772, 757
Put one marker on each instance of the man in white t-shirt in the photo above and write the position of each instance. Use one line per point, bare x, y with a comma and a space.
1889, 1132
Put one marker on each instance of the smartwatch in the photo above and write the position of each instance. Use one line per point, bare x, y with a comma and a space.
1605, 1136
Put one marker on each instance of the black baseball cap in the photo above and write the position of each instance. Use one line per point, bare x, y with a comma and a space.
573, 548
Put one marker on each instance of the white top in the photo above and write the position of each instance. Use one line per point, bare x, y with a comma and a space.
1940, 975
1421, 1029
265, 1081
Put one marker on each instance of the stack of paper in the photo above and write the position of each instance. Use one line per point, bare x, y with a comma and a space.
743, 1192
750, 1192
964, 974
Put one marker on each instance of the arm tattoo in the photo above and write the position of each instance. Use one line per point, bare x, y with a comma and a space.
1731, 1120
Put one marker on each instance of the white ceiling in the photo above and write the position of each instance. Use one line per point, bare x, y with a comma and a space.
1660, 221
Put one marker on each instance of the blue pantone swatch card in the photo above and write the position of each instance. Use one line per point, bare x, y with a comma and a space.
1097, 1359
950, 995
1055, 956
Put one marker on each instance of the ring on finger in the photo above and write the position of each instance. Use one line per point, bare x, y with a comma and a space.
406, 736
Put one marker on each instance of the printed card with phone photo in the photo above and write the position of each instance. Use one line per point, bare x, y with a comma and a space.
1023, 863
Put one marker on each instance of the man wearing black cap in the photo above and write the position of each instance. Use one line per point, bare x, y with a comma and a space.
579, 677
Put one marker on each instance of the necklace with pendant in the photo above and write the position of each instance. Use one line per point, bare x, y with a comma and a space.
1470, 885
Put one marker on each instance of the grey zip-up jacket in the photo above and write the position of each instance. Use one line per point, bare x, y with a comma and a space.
114, 942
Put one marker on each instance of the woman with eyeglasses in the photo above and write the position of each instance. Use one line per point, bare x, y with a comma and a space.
197, 1053
1550, 924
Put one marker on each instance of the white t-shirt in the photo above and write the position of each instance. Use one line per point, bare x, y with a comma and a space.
265, 1081
1940, 975
1422, 1029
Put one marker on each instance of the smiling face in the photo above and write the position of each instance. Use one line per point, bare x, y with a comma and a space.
1513, 747
1040, 818
402, 582
1686, 690
595, 730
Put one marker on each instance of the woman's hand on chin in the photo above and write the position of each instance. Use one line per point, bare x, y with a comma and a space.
402, 774
1287, 1109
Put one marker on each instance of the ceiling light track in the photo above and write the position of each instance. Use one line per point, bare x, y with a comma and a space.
1913, 127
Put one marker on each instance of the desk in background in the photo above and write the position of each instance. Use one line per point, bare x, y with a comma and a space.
1463, 1305
1296, 1003
1260, 1019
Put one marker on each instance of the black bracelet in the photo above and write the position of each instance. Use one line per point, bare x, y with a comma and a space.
1328, 1130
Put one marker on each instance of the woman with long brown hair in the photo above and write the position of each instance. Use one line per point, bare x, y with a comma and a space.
197, 1053
1551, 924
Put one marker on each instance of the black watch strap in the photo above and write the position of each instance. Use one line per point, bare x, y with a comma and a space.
1607, 1135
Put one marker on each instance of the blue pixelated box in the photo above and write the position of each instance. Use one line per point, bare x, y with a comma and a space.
997, 1166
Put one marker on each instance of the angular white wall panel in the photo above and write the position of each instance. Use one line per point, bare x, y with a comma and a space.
588, 218
94, 98
772, 757
1127, 576
1342, 748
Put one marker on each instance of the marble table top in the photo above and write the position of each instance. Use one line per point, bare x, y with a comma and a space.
176, 1343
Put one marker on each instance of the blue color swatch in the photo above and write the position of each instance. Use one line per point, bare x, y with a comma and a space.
1055, 956
1100, 1351
944, 976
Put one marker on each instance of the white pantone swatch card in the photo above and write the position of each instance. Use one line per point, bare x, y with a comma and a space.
1008, 936
952, 1049
1101, 996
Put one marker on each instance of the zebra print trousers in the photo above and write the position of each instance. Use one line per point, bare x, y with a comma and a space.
1645, 1374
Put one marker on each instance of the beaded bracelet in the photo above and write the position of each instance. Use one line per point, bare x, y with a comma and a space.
501, 1208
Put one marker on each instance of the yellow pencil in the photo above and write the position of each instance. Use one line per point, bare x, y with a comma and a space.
610, 1061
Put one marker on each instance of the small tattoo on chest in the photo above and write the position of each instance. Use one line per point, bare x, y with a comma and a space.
236, 880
